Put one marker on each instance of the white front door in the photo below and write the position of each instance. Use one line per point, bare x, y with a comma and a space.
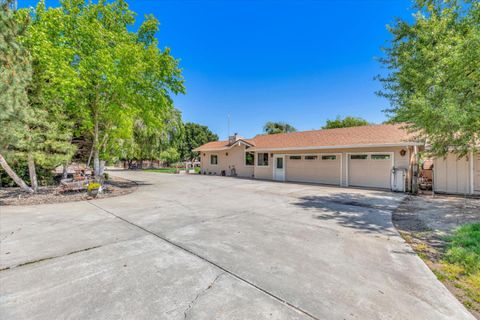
279, 167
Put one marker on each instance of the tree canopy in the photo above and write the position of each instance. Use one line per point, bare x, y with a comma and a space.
15, 77
194, 136
114, 85
278, 127
345, 122
434, 74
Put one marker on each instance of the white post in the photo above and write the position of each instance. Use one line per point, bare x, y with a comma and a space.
472, 175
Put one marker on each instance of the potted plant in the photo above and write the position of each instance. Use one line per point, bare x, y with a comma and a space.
93, 189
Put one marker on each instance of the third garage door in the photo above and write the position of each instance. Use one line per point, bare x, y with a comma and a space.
370, 170
318, 168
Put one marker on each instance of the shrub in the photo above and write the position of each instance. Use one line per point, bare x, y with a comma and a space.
93, 185
45, 176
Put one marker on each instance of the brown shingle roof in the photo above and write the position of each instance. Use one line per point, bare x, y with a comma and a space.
220, 145
383, 134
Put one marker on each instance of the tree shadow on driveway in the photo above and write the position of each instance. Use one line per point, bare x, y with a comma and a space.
364, 213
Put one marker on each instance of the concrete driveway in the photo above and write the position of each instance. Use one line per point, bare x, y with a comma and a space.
205, 247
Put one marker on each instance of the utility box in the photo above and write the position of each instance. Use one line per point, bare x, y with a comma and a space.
398, 179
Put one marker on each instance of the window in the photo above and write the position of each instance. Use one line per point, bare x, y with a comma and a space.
359, 156
213, 159
295, 157
329, 157
249, 158
279, 163
380, 156
311, 157
262, 159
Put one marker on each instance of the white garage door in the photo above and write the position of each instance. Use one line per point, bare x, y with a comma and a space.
319, 168
370, 170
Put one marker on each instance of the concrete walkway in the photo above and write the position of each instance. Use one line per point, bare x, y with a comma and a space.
205, 247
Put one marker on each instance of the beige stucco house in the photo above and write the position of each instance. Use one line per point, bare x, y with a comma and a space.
374, 156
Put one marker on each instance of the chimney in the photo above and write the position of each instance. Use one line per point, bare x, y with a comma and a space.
233, 139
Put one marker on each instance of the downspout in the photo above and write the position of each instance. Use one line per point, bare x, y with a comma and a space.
472, 176
433, 178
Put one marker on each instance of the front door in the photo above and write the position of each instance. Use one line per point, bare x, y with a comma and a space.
279, 167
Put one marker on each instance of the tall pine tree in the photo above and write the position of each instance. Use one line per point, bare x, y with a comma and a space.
48, 130
15, 76
34, 126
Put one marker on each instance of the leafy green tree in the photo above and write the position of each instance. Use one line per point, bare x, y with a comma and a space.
278, 127
15, 76
195, 135
345, 122
118, 76
147, 141
434, 74
170, 156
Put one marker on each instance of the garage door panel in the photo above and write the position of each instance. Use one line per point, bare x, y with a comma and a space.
315, 171
369, 173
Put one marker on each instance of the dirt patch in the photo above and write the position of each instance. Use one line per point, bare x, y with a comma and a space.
425, 222
112, 188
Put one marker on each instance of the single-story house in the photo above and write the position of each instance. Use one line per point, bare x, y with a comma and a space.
374, 156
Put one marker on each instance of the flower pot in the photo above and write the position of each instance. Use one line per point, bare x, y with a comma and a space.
93, 192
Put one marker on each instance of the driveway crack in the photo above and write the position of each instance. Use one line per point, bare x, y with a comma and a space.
201, 293
48, 258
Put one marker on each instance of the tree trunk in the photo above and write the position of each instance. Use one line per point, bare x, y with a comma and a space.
415, 171
96, 163
14, 176
90, 158
33, 173
96, 149
65, 170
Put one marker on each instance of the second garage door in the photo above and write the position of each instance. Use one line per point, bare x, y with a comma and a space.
318, 168
370, 170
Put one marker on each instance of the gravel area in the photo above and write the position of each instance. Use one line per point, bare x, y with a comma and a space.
425, 222
14, 196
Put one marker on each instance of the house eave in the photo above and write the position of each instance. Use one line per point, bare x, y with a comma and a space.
403, 144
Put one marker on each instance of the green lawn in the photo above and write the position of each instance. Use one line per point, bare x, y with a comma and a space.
461, 263
169, 170
162, 170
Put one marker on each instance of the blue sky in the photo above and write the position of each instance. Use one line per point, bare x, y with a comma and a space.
301, 62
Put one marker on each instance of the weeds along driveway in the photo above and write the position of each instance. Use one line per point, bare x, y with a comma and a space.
205, 247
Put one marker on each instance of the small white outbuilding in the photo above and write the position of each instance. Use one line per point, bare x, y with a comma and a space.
457, 175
